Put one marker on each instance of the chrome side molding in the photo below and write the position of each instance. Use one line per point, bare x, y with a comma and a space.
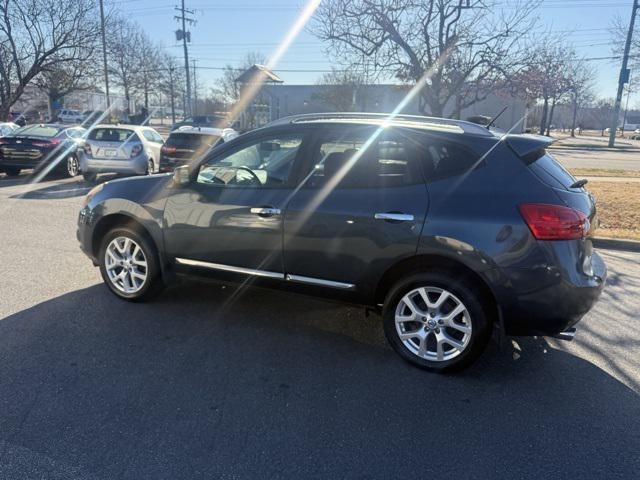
320, 282
229, 268
263, 273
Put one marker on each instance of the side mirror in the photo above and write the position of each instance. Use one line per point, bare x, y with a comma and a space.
181, 176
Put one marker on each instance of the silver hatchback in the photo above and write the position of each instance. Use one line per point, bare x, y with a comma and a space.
127, 149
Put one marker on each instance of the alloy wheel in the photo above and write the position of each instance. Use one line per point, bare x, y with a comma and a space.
73, 167
126, 265
433, 324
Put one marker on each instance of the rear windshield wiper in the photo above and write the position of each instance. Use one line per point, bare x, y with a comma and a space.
579, 183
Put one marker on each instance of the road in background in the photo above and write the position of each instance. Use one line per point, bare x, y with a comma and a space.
273, 385
593, 152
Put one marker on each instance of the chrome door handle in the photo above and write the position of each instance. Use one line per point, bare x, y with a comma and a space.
394, 217
266, 211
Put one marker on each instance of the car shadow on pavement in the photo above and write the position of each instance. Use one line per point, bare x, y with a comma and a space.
55, 191
276, 386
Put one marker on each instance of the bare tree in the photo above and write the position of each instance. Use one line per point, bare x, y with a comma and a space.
547, 77
226, 86
581, 80
37, 36
601, 113
341, 89
63, 78
123, 40
171, 81
460, 49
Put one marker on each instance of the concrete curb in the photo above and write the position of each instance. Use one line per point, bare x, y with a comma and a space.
616, 244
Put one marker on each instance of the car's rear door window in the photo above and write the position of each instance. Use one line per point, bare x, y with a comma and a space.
363, 158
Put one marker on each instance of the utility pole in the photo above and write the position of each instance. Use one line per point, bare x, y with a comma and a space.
104, 55
624, 77
185, 36
195, 89
173, 104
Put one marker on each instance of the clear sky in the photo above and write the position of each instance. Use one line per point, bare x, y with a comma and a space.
226, 30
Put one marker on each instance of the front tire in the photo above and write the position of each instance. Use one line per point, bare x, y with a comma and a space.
151, 168
129, 264
436, 321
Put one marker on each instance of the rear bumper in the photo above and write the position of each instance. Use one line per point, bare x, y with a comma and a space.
546, 300
136, 165
169, 164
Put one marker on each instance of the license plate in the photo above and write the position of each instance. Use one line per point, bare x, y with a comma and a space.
110, 152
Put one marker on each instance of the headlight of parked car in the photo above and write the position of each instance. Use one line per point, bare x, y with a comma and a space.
92, 193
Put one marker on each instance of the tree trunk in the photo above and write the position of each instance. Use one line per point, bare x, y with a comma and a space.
575, 115
553, 107
543, 119
50, 102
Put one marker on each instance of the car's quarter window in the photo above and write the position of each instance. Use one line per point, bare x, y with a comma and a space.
444, 159
152, 136
265, 162
365, 159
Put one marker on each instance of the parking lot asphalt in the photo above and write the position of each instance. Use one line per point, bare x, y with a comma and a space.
271, 385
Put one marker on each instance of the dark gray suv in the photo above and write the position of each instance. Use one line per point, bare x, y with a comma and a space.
449, 229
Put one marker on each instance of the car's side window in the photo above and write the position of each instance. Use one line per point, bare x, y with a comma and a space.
266, 162
365, 159
152, 136
447, 159
158, 138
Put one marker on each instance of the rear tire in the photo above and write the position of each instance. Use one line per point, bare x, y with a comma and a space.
11, 171
89, 177
129, 264
73, 166
444, 335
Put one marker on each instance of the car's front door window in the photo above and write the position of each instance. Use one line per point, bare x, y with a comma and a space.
262, 163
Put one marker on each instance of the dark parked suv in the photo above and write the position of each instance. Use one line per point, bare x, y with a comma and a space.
447, 228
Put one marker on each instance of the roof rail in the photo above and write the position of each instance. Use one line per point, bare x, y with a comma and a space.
413, 121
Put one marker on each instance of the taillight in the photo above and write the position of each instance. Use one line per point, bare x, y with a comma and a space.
168, 149
87, 149
48, 143
554, 222
135, 150
4, 141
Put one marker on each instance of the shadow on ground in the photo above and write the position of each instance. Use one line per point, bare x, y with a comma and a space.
50, 191
277, 386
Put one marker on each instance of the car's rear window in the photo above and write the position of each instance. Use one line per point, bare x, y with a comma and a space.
112, 135
38, 131
551, 172
191, 140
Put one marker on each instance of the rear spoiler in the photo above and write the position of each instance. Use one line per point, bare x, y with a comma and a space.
529, 147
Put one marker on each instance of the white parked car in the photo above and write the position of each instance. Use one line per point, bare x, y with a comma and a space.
129, 149
70, 116
8, 127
